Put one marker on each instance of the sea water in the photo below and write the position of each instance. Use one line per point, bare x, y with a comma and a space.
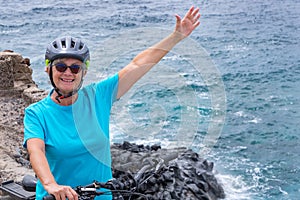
230, 91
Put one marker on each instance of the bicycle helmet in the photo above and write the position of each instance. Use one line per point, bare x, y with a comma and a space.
67, 47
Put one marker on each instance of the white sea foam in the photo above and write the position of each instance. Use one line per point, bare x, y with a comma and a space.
235, 187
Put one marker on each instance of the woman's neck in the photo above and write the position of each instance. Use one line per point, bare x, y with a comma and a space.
64, 101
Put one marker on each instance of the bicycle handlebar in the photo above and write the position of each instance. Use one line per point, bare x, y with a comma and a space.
84, 192
114, 186
124, 185
49, 197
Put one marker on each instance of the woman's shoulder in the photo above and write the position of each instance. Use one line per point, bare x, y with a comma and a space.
104, 83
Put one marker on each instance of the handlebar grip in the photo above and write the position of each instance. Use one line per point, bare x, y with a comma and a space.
49, 197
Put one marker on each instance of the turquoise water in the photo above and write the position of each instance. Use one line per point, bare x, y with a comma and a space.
237, 76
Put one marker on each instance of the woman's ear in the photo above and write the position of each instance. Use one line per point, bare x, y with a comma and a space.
47, 69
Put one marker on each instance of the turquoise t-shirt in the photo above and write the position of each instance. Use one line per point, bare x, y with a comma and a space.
76, 137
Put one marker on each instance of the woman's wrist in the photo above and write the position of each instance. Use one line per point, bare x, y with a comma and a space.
178, 36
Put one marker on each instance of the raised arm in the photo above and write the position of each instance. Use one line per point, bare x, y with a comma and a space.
145, 60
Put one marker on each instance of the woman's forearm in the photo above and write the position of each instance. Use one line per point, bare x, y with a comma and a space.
144, 61
154, 54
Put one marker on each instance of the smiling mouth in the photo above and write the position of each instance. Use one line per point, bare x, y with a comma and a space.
67, 80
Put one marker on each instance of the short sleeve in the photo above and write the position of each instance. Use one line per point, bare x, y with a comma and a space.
108, 88
32, 126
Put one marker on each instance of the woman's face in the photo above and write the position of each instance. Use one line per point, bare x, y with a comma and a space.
67, 81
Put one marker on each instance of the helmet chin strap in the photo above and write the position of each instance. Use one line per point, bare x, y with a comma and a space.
60, 95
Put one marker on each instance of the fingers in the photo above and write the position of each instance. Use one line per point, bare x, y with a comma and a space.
193, 12
193, 16
190, 12
188, 23
178, 18
196, 19
65, 192
74, 194
196, 24
71, 195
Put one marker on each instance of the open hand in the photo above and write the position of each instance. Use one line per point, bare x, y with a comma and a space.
190, 21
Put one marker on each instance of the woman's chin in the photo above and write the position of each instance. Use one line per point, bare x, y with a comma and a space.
66, 87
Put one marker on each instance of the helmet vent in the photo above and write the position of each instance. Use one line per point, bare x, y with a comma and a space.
81, 46
63, 44
72, 44
55, 45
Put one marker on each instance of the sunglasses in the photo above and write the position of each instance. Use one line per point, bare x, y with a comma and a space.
62, 67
